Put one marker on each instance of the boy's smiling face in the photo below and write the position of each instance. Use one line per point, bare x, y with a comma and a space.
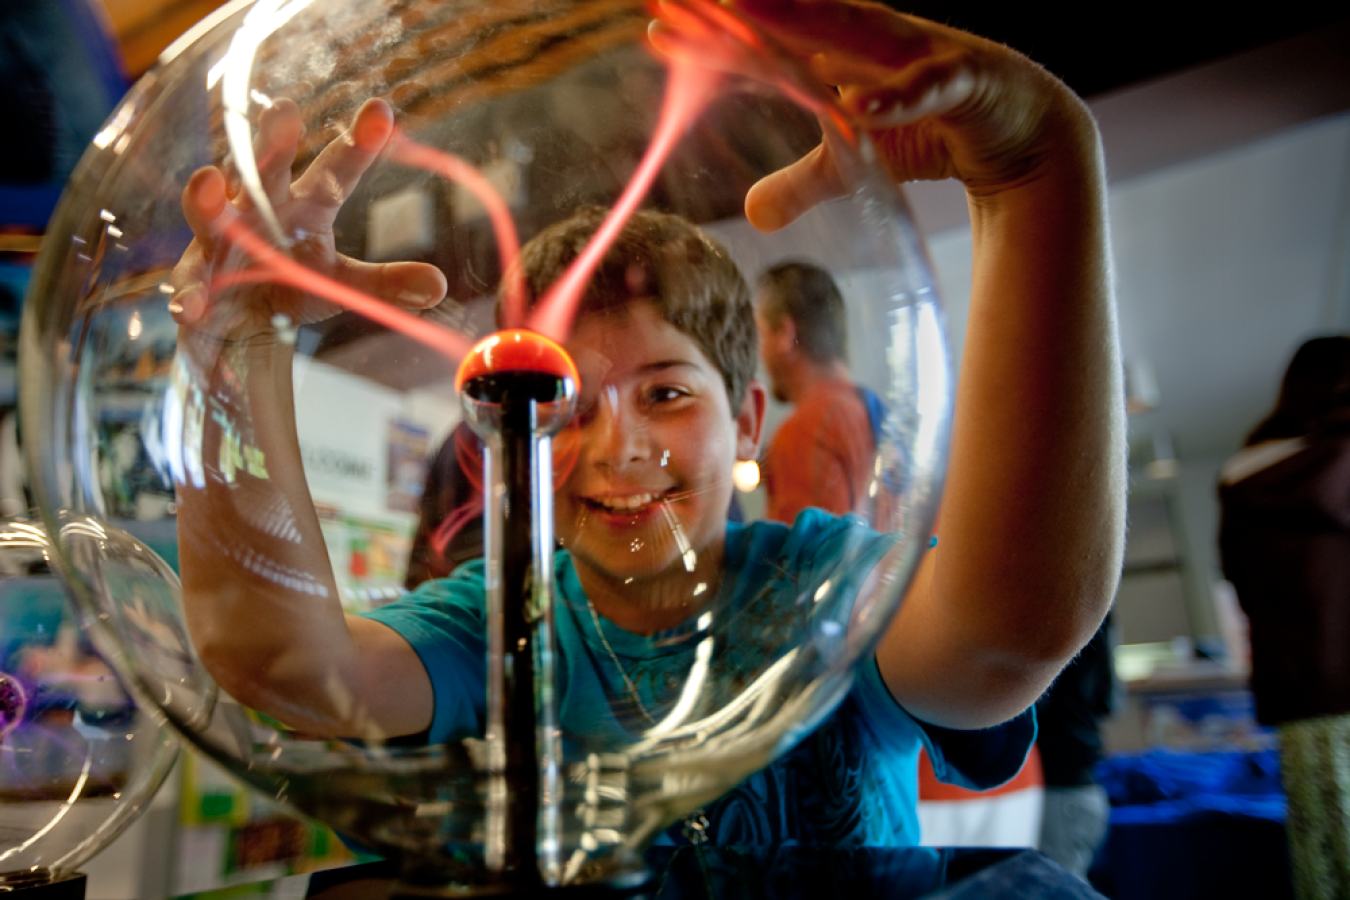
644, 510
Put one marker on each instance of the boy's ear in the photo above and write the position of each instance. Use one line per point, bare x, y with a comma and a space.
750, 420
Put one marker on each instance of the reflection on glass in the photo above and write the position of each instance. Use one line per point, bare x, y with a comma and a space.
78, 758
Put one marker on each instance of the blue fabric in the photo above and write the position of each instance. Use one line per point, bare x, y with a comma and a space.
1189, 825
1148, 778
849, 780
876, 412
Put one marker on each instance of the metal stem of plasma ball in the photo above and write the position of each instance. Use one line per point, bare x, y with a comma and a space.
522, 721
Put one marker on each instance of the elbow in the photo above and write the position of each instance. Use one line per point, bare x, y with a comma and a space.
1075, 603
235, 674
1064, 628
294, 692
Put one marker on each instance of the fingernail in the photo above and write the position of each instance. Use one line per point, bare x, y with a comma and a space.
417, 298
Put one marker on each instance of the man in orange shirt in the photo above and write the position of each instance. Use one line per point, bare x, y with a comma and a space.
823, 454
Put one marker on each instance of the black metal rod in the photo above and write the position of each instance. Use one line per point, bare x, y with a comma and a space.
518, 689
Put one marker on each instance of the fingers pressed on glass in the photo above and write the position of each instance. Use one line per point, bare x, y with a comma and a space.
866, 34
413, 285
338, 168
278, 141
204, 202
931, 90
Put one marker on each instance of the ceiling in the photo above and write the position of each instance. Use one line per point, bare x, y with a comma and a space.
1230, 193
1100, 49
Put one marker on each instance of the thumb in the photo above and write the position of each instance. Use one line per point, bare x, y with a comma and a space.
779, 199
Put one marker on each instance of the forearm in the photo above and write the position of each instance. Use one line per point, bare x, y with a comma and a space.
1034, 505
1032, 517
259, 592
261, 600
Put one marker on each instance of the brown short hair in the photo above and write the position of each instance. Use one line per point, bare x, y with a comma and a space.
668, 260
807, 295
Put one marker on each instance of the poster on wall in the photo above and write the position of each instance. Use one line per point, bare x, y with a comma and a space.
408, 447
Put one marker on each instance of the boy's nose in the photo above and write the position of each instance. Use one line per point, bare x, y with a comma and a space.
615, 436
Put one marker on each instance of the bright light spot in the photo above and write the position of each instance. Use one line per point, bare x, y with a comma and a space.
690, 559
822, 591
106, 216
702, 586
104, 138
134, 326
745, 475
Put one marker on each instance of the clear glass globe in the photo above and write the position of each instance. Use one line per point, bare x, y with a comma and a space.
78, 758
259, 406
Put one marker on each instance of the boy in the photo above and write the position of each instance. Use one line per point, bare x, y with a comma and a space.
1031, 516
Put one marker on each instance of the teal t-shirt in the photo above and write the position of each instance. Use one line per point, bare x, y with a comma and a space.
852, 780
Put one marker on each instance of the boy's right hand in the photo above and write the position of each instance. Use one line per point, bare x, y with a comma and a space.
306, 210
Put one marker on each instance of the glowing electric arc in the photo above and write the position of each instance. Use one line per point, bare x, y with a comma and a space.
276, 266
404, 150
698, 25
707, 34
687, 92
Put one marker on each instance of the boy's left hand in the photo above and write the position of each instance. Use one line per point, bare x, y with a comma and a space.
937, 102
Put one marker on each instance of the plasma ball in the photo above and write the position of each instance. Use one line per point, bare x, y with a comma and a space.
13, 704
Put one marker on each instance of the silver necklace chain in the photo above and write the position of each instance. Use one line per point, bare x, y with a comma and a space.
696, 823
623, 673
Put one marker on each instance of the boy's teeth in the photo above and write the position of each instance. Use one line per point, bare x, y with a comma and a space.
628, 503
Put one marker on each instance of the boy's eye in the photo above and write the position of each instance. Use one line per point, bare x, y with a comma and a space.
666, 394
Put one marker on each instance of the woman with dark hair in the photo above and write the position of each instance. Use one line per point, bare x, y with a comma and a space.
1285, 543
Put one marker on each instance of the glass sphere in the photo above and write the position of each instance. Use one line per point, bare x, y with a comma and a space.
266, 401
78, 758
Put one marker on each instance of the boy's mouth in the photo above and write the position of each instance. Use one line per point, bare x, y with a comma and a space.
628, 503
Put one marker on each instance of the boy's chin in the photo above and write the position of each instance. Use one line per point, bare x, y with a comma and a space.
646, 578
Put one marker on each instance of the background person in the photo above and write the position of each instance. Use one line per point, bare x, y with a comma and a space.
823, 453
1284, 539
450, 512
1076, 812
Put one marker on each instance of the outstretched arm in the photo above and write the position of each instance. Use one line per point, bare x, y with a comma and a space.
1032, 518
262, 604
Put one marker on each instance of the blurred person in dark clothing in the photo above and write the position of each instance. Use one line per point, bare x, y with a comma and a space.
1285, 545
1069, 738
450, 515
